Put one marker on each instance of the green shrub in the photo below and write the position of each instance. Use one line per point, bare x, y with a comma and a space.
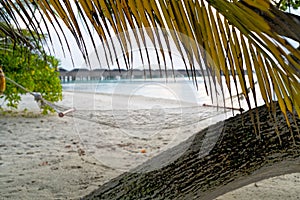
35, 71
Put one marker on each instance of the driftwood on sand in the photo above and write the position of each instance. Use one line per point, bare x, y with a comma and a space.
235, 156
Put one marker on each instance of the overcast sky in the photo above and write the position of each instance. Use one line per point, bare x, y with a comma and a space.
79, 61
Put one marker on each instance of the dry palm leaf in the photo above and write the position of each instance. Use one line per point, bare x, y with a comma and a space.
236, 39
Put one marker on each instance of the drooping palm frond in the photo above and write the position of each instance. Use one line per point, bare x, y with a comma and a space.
230, 38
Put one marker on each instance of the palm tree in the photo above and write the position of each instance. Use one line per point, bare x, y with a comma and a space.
230, 38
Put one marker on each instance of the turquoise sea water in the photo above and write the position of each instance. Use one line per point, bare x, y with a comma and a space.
180, 89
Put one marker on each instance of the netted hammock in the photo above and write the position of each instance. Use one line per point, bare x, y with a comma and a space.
151, 119
136, 119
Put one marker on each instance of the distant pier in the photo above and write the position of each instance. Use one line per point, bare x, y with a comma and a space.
83, 74
116, 74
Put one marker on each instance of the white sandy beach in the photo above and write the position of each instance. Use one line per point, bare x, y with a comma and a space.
47, 157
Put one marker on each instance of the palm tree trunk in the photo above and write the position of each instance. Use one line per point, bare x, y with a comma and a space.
238, 158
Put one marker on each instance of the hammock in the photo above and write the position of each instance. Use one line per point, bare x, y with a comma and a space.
148, 119
135, 119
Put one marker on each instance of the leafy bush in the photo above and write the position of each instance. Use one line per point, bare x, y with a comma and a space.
35, 71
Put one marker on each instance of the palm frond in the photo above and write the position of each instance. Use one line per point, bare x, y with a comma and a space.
230, 38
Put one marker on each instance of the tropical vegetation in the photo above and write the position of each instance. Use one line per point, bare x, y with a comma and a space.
25, 62
35, 72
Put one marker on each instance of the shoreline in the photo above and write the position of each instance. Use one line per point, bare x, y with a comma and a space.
165, 100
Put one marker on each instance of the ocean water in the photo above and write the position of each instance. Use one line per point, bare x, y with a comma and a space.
180, 89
